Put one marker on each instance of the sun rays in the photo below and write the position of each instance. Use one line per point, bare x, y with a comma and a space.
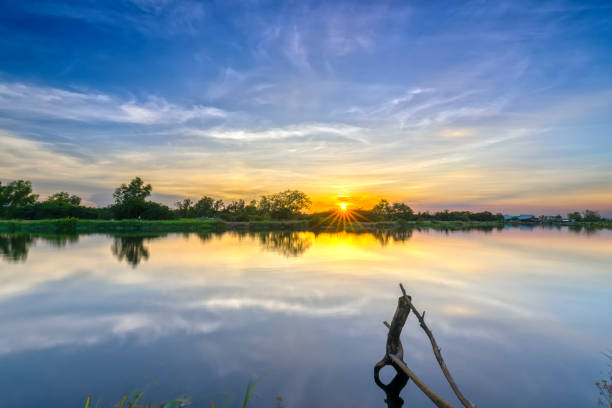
343, 217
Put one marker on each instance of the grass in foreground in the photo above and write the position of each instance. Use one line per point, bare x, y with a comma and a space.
137, 400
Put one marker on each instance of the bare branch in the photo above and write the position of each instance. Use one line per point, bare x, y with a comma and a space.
464, 401
435, 398
394, 352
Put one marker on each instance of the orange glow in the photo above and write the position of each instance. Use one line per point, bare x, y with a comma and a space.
343, 217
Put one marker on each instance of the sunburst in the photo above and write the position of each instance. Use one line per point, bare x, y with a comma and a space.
343, 217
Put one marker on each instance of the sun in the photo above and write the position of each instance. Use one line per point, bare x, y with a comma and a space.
342, 217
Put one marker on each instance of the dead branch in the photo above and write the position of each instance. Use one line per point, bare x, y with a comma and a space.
437, 352
435, 398
394, 352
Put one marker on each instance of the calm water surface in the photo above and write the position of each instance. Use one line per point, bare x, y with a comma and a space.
522, 316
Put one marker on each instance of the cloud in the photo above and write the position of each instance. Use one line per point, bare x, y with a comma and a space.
37, 102
293, 131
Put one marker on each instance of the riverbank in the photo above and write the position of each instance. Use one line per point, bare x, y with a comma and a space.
72, 225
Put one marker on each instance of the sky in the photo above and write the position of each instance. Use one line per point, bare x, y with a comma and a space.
473, 105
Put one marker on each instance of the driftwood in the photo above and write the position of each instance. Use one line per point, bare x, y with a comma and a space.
394, 356
437, 352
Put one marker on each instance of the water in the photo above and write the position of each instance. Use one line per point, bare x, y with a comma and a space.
521, 315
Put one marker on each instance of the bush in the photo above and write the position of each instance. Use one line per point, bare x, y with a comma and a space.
67, 225
156, 211
50, 210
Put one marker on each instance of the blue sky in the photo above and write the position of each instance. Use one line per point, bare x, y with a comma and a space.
497, 105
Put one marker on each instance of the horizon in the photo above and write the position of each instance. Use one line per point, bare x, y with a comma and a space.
463, 106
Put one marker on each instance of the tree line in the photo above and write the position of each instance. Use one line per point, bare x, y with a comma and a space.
17, 201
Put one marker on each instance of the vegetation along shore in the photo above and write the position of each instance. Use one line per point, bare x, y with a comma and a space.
22, 211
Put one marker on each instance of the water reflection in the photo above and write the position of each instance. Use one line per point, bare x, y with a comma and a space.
287, 243
205, 312
131, 248
60, 240
393, 388
14, 247
387, 236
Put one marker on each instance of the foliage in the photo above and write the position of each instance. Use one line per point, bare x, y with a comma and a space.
17, 193
18, 202
136, 401
587, 216
156, 211
66, 225
396, 211
130, 202
133, 192
591, 216
63, 198
575, 216
51, 209
185, 208
205, 207
251, 386
287, 204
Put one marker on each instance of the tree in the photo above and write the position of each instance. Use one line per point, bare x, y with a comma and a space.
156, 211
185, 207
575, 216
400, 211
382, 209
218, 206
135, 191
396, 211
63, 198
591, 216
205, 207
130, 199
17, 193
288, 204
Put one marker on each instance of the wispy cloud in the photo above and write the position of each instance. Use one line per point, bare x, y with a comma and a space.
44, 102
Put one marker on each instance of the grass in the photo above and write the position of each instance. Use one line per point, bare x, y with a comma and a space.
137, 400
73, 225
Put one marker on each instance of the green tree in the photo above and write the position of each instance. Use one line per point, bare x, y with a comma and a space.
382, 210
135, 191
63, 198
288, 204
205, 207
396, 211
401, 211
591, 216
185, 207
130, 199
17, 193
575, 216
